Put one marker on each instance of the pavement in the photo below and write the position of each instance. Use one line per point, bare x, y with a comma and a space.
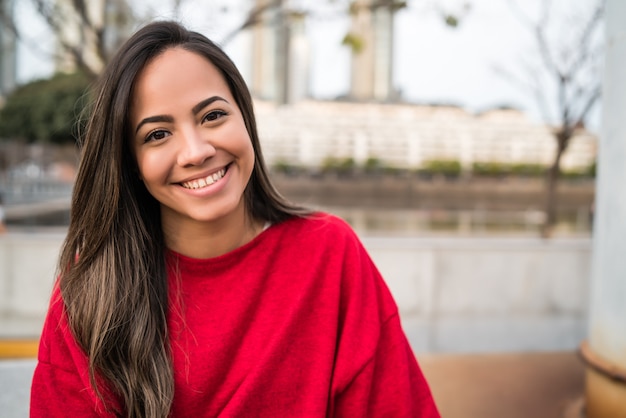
15, 377
507, 385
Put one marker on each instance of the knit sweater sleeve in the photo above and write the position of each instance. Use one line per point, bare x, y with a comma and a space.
60, 385
390, 384
376, 372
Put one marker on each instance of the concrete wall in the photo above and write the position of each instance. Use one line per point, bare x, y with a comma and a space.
489, 294
27, 270
454, 294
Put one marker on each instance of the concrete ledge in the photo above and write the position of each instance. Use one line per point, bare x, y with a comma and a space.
454, 294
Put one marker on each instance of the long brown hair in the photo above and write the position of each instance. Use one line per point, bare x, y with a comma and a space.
112, 269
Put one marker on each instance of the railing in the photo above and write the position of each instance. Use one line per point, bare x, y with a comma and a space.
27, 200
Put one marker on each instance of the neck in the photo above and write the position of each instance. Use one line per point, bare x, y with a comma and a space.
212, 239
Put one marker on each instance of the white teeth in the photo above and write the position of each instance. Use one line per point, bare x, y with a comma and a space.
203, 182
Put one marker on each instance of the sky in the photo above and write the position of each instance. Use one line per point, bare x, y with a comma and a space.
433, 63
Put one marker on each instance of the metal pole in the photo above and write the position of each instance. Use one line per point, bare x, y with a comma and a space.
8, 46
605, 352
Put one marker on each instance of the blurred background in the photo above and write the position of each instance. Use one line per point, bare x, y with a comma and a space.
458, 138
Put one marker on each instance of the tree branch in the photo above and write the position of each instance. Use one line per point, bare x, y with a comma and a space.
252, 19
588, 105
584, 43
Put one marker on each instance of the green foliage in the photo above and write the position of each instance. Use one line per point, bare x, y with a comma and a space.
354, 42
45, 110
341, 166
347, 164
591, 170
397, 5
451, 21
496, 169
528, 170
491, 169
372, 165
449, 168
580, 173
329, 164
283, 167
393, 171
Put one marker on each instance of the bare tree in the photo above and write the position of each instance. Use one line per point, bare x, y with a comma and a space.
86, 32
253, 17
564, 79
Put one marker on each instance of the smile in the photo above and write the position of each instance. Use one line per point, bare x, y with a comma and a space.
205, 181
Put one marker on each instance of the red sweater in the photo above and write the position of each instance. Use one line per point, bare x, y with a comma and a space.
296, 323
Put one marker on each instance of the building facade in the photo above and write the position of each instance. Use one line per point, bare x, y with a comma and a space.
408, 135
280, 52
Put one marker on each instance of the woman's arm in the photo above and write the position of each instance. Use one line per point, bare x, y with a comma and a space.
60, 385
376, 373
390, 384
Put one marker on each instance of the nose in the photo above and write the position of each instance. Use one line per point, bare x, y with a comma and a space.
195, 147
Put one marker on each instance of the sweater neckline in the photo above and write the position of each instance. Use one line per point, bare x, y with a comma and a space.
191, 264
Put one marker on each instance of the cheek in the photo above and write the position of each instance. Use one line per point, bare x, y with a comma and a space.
240, 145
151, 166
248, 151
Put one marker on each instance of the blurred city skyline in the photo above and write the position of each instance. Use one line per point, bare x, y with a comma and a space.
433, 63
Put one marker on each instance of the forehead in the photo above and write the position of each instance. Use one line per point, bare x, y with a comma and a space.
179, 59
177, 75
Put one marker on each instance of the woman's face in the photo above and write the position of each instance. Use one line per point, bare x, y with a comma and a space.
190, 141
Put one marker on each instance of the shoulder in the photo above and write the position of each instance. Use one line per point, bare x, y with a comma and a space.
319, 230
321, 237
320, 225
317, 236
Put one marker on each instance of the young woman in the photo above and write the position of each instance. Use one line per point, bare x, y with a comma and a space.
188, 287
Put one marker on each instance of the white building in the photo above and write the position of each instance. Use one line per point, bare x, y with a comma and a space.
407, 135
305, 132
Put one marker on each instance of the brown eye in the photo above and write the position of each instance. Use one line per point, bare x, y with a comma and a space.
214, 115
157, 135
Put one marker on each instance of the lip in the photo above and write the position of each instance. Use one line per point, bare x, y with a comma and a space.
204, 174
212, 189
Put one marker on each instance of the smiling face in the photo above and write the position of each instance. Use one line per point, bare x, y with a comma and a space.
190, 141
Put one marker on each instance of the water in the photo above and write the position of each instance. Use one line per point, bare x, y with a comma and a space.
369, 221
463, 222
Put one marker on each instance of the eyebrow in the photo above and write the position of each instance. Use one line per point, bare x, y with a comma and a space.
153, 119
166, 118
